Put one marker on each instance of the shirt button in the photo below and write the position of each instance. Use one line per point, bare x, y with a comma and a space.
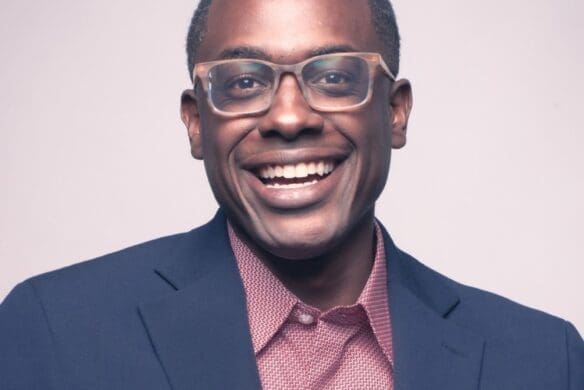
306, 319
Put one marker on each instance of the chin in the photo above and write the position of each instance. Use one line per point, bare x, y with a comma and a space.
301, 239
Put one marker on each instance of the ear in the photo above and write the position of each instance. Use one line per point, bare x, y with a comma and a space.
189, 113
401, 105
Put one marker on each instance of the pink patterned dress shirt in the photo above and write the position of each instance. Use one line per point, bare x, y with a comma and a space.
299, 347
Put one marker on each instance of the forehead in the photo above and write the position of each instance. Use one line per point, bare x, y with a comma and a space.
287, 30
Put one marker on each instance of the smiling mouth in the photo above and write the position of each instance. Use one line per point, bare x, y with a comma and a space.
291, 176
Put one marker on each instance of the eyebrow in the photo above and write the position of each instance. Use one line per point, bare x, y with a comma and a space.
243, 52
330, 49
258, 54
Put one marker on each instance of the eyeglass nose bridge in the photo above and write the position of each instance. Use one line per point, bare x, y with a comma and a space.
295, 70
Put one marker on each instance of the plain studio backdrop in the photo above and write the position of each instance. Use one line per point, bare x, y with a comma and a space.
489, 189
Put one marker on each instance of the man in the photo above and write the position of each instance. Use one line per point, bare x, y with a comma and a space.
295, 110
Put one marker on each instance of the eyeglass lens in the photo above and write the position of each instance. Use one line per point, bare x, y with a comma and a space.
333, 82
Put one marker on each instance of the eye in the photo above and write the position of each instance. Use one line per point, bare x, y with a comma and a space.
245, 83
244, 86
333, 78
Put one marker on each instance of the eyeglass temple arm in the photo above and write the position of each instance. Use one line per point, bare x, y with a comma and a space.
386, 69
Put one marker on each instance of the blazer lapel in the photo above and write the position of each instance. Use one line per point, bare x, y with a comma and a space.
430, 351
200, 331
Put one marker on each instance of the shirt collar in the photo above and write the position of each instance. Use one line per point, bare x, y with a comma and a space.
270, 303
374, 298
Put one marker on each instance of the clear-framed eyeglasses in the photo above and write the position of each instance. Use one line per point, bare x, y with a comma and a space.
330, 82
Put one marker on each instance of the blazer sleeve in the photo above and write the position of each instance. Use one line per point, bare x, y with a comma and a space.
575, 348
27, 358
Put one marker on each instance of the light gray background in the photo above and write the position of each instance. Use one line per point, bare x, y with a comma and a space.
489, 189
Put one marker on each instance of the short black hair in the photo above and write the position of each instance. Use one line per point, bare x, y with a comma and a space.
382, 14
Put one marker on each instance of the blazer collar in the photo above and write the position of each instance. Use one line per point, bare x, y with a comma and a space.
430, 351
201, 336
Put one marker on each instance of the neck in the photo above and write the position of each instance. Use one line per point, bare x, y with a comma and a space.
335, 278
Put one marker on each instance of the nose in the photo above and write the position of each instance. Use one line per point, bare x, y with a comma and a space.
290, 115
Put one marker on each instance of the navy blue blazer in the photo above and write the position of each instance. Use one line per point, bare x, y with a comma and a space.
170, 314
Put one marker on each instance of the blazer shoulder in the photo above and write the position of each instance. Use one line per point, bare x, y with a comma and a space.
522, 338
123, 263
129, 274
492, 314
500, 318
519, 340
63, 323
119, 279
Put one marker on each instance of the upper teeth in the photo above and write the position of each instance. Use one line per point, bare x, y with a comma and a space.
297, 171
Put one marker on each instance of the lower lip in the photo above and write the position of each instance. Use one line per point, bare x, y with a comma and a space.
295, 198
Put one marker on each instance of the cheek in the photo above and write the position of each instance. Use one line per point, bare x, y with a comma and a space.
216, 145
222, 138
376, 161
378, 135
370, 133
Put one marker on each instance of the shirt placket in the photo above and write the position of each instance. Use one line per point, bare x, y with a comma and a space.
330, 343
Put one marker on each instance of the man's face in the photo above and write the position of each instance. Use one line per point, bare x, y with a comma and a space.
292, 221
